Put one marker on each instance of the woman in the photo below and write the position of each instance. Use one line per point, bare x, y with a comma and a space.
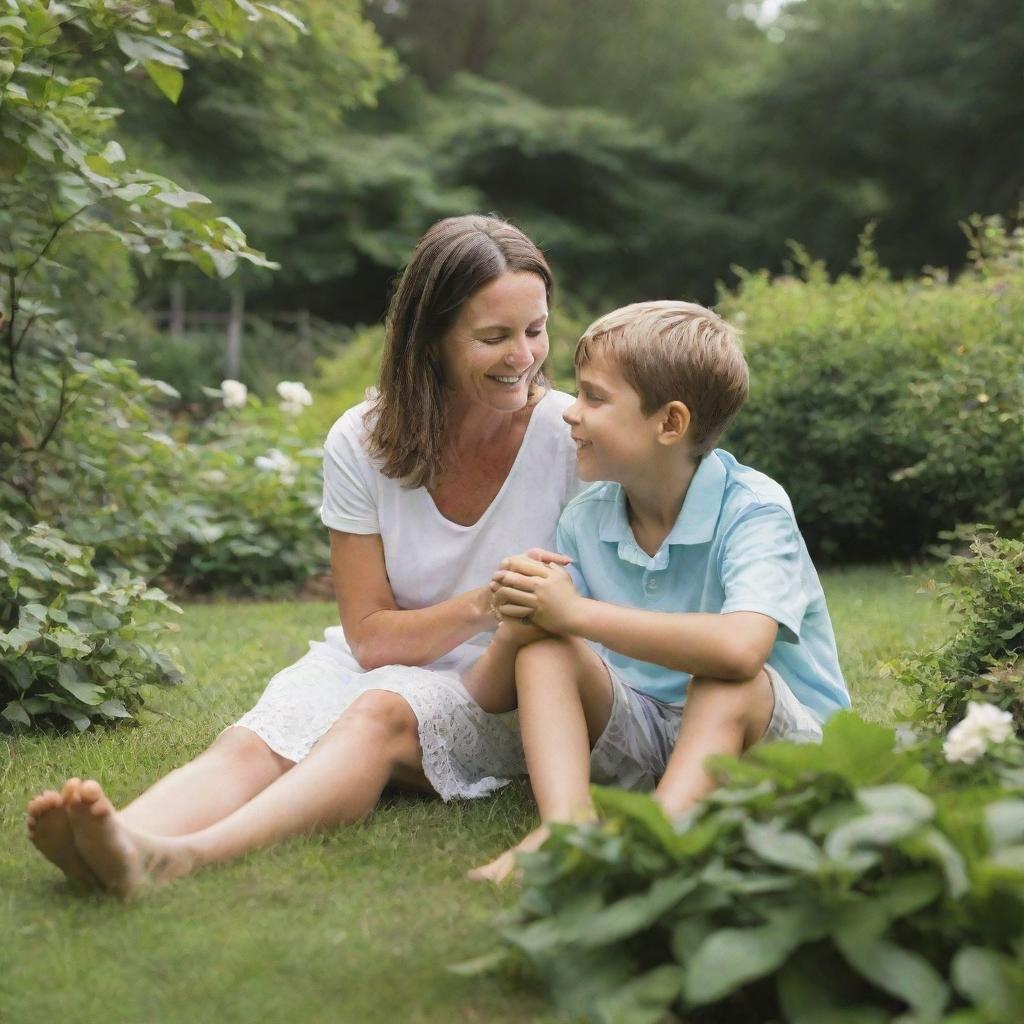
460, 459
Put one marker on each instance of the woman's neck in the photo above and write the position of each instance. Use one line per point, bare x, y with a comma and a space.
471, 425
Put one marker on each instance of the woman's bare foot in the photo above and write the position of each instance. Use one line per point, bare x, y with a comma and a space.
125, 863
503, 867
50, 832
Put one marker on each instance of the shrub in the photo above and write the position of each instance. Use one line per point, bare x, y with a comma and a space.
851, 881
72, 648
984, 659
889, 410
85, 448
246, 508
195, 360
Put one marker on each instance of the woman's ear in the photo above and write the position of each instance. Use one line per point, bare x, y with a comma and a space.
675, 422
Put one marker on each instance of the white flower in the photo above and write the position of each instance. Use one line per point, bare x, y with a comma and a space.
275, 461
216, 477
235, 393
983, 724
294, 396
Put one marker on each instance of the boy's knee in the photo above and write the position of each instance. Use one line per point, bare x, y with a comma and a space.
735, 699
555, 647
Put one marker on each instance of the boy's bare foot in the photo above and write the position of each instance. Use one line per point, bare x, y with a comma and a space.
50, 832
503, 867
125, 863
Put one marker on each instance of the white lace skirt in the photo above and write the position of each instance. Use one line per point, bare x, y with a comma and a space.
467, 753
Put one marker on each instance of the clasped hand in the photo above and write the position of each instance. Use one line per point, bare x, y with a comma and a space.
527, 589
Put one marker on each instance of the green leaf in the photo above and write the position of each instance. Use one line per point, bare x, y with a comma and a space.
14, 712
20, 674
284, 15
897, 971
33, 611
87, 693
129, 193
782, 848
179, 198
167, 79
104, 619
908, 893
643, 1000
113, 152
1004, 821
18, 638
637, 808
869, 830
72, 714
69, 642
731, 957
148, 48
114, 709
980, 975
930, 843
897, 799
858, 750
632, 914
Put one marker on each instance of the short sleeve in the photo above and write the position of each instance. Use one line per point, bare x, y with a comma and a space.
761, 567
565, 544
349, 502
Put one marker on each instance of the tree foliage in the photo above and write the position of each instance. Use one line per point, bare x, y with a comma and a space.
81, 444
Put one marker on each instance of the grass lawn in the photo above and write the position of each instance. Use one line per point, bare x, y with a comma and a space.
354, 927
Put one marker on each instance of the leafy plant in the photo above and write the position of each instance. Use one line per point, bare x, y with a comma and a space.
890, 410
86, 449
72, 645
984, 659
246, 509
851, 881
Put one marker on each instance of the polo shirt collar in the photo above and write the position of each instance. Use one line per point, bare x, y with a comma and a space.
695, 524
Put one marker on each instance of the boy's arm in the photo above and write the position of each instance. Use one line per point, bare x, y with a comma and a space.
734, 645
731, 646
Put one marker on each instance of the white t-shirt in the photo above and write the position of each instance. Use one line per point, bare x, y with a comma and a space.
428, 557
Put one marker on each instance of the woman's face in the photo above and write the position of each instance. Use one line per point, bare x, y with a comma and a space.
497, 343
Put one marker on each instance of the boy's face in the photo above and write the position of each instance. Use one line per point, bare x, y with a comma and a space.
614, 439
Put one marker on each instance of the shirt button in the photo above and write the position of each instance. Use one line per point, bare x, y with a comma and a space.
651, 586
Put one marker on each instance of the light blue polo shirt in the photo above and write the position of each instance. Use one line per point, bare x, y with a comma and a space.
734, 548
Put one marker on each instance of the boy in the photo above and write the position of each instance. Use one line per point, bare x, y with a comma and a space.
690, 621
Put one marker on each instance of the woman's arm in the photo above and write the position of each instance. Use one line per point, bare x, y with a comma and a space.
377, 630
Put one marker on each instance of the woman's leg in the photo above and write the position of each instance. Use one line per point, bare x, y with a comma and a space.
375, 740
236, 766
230, 772
565, 700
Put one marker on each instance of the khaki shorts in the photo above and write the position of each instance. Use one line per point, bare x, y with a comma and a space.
634, 748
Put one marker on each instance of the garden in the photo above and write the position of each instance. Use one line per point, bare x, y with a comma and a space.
161, 554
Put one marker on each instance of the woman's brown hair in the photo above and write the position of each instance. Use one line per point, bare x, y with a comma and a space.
455, 258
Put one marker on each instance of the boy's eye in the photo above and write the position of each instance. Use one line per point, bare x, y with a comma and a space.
535, 332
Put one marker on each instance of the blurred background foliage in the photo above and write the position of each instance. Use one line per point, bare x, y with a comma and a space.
648, 145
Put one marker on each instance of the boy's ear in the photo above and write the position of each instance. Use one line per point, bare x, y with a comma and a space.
675, 422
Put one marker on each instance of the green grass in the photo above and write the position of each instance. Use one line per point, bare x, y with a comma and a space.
357, 926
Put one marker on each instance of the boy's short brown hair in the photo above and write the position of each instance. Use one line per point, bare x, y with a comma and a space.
675, 351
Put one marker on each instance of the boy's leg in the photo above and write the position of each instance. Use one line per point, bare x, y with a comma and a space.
719, 717
565, 700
